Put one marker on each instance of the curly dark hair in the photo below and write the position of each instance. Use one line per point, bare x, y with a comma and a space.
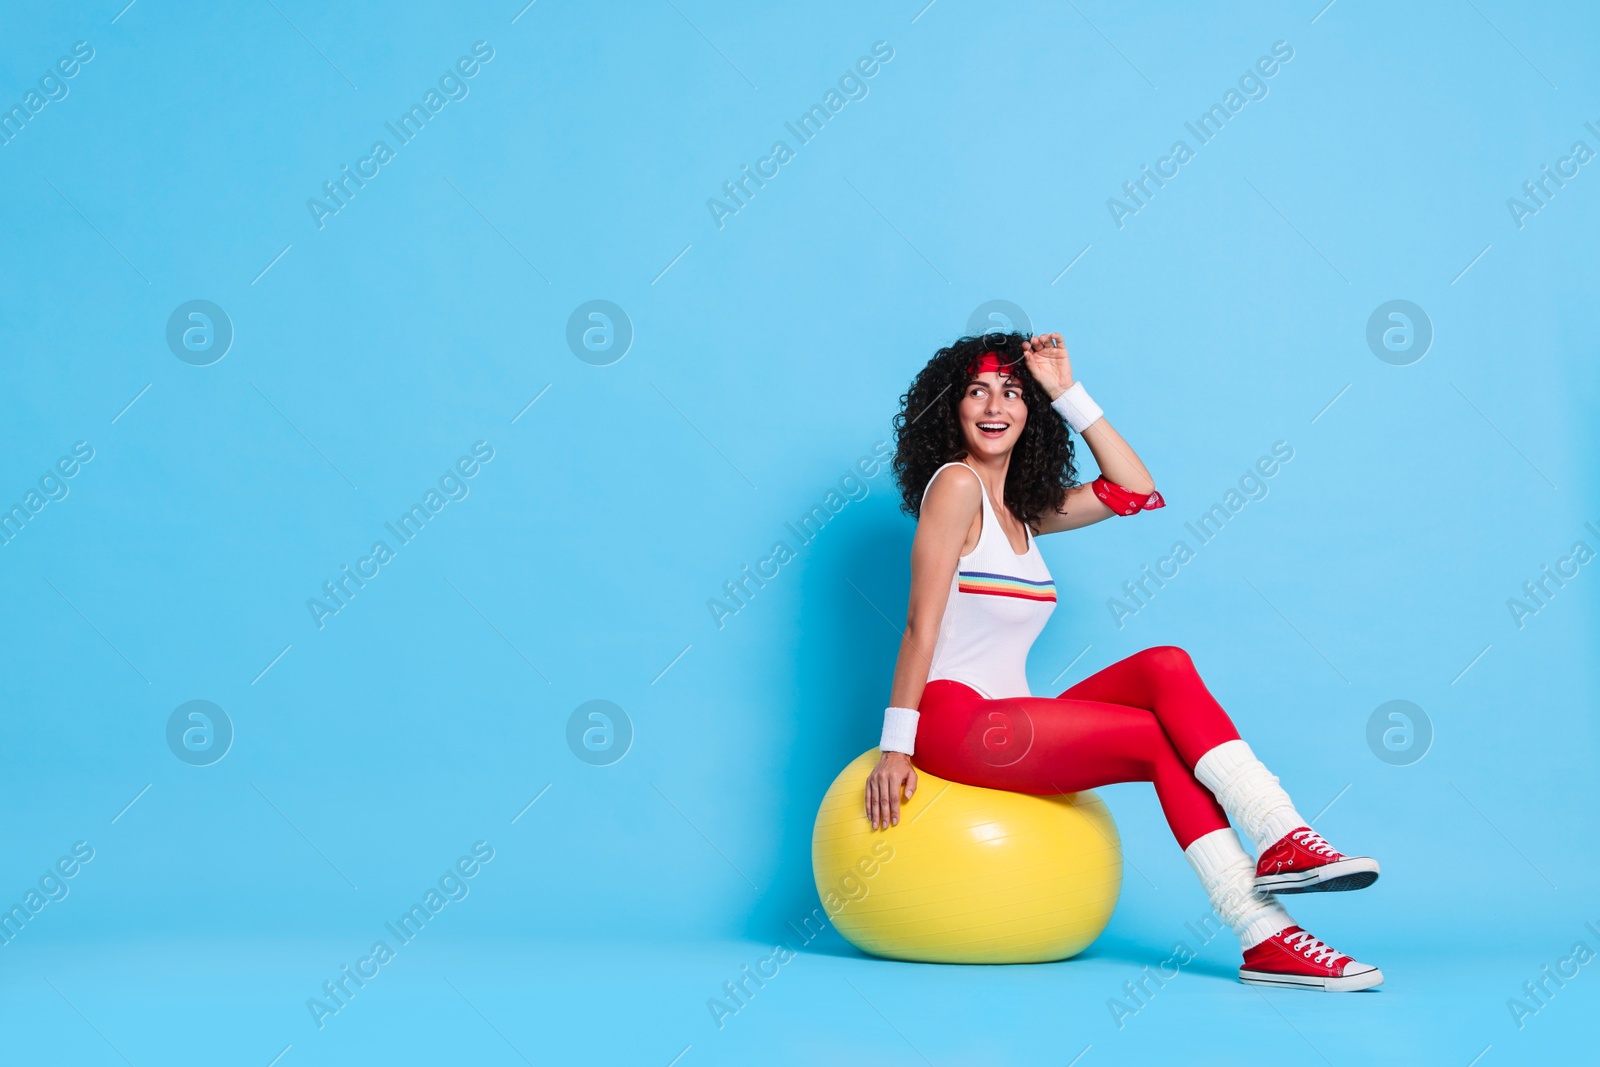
928, 431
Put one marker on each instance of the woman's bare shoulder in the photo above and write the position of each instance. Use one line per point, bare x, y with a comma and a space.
953, 495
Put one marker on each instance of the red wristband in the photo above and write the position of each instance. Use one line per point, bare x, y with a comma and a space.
1124, 501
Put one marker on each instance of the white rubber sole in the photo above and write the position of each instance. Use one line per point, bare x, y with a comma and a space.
1355, 872
1347, 983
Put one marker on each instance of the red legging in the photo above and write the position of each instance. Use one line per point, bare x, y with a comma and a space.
1147, 718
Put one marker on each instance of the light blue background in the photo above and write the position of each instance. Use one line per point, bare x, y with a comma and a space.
767, 358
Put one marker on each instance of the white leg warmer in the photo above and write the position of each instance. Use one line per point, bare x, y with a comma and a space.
1248, 792
1228, 876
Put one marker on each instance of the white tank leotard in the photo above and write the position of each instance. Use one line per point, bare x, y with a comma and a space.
999, 603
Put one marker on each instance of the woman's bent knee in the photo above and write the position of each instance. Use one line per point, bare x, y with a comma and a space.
1167, 658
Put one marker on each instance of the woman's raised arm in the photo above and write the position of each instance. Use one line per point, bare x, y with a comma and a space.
1052, 369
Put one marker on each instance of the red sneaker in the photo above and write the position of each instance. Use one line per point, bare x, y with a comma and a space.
1302, 862
1292, 957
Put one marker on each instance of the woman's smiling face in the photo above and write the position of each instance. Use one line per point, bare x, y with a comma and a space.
993, 413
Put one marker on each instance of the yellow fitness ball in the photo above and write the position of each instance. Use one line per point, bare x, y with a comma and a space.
970, 875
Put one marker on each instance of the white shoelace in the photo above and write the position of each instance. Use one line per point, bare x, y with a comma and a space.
1314, 950
1315, 842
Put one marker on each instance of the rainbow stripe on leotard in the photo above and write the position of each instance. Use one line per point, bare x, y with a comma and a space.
987, 584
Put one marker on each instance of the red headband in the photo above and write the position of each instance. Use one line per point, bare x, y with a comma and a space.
989, 361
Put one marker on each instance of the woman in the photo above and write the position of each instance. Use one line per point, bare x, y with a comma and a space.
986, 465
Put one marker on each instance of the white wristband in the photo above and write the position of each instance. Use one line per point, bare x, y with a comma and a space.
1076, 406
899, 730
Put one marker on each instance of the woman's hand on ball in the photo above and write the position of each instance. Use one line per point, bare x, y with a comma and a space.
893, 774
1047, 358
